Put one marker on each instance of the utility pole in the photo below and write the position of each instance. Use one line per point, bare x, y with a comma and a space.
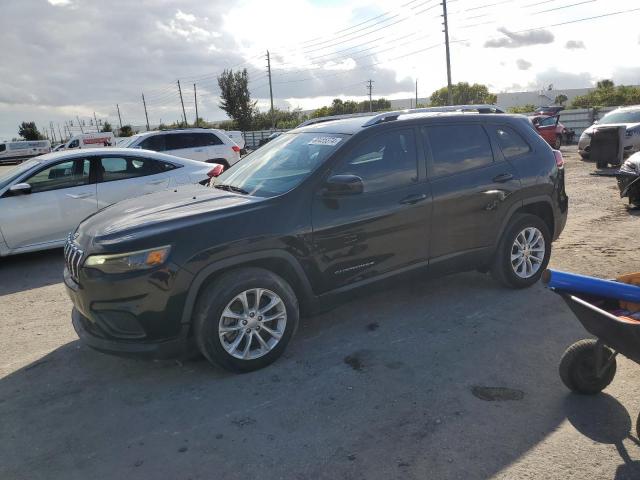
80, 124
96, 120
184, 114
119, 117
416, 93
270, 89
144, 104
370, 88
446, 42
195, 101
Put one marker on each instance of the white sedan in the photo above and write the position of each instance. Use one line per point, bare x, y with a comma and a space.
45, 198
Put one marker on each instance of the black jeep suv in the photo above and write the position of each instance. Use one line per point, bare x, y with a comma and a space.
315, 212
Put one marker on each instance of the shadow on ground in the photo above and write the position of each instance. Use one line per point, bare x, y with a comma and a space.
30, 270
423, 379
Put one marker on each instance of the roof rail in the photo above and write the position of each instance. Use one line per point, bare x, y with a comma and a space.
313, 121
389, 116
393, 115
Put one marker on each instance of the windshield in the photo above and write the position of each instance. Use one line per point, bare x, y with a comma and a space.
280, 165
629, 116
10, 175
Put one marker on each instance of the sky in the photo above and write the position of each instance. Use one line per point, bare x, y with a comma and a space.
64, 60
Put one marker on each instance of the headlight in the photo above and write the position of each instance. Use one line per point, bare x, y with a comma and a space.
129, 262
629, 166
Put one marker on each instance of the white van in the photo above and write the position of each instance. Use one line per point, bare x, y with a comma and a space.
18, 151
91, 140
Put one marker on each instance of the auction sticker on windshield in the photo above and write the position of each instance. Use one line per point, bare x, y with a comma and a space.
328, 141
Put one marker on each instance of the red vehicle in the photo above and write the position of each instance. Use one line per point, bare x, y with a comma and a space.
549, 128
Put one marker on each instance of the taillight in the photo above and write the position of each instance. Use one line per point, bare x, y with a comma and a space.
236, 148
559, 158
215, 171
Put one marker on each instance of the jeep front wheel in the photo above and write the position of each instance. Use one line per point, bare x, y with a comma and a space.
245, 319
523, 252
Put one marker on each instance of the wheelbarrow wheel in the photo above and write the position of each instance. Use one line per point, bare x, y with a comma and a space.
579, 369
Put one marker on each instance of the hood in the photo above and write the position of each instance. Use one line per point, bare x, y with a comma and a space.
161, 212
628, 126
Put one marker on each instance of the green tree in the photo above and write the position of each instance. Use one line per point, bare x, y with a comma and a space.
607, 94
106, 127
463, 94
528, 108
561, 99
235, 97
125, 131
340, 107
29, 131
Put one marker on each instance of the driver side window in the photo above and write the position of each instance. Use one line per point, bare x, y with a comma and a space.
72, 173
384, 161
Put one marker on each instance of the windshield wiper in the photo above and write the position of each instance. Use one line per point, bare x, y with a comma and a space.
231, 188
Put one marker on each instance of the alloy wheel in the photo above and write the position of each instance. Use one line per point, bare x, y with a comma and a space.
252, 324
527, 252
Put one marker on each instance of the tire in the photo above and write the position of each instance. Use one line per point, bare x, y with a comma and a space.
225, 295
558, 142
521, 277
577, 368
585, 156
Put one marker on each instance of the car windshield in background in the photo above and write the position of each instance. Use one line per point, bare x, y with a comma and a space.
621, 117
15, 172
279, 165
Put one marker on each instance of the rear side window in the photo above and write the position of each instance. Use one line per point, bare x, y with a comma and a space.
122, 168
208, 139
155, 143
384, 161
456, 148
511, 143
177, 141
3, 147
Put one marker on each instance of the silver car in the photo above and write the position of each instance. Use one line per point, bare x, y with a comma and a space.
629, 117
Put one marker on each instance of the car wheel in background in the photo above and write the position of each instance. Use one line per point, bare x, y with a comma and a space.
523, 252
558, 142
245, 319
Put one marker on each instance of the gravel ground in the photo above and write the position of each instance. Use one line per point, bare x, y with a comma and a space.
392, 384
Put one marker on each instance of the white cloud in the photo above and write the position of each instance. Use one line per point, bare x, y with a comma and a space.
187, 17
517, 40
55, 3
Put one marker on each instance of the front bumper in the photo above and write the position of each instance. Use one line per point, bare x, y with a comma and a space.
138, 314
88, 333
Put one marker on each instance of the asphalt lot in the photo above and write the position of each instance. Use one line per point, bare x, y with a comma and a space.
380, 387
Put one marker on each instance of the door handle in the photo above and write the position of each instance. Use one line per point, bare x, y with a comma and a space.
413, 199
198, 150
503, 177
79, 195
156, 182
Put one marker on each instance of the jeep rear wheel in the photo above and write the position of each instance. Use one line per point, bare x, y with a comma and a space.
523, 252
245, 319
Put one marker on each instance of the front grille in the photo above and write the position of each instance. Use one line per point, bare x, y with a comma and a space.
72, 257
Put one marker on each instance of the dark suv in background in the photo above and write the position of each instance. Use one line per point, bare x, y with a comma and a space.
317, 211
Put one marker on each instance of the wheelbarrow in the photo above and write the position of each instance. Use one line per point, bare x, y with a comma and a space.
607, 310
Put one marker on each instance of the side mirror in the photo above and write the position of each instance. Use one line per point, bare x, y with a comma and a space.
20, 189
343, 185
